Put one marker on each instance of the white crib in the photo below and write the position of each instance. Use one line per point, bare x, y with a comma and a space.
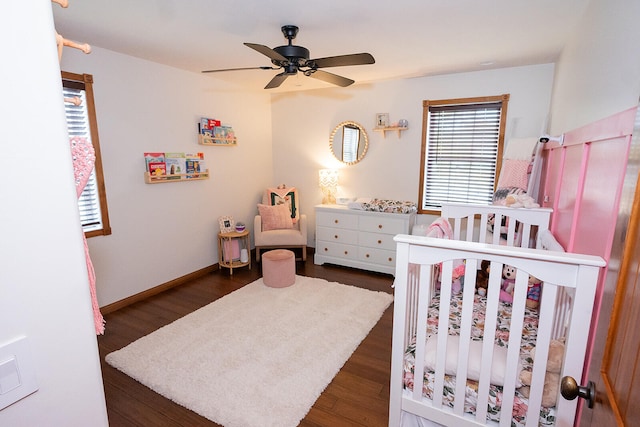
430, 391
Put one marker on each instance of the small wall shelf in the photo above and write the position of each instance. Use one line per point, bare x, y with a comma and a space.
390, 128
179, 177
207, 140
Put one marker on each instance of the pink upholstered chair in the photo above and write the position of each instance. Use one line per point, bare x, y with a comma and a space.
279, 223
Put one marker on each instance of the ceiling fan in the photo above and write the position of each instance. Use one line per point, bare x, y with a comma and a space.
291, 59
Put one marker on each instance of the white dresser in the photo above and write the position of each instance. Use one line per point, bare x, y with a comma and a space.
359, 239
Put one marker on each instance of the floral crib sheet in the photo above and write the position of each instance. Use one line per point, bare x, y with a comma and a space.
529, 334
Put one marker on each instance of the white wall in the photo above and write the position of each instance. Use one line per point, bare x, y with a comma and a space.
302, 124
165, 231
598, 73
44, 291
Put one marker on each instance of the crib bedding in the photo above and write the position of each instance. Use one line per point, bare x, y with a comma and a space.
529, 334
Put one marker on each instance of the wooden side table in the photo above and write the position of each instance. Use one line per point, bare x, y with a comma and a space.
226, 241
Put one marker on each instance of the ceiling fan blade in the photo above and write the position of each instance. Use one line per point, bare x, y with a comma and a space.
239, 69
344, 60
330, 78
277, 80
266, 51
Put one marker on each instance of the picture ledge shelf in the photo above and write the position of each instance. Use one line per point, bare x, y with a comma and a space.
390, 128
179, 177
204, 140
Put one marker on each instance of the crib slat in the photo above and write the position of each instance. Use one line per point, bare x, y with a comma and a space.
525, 235
489, 333
470, 228
483, 227
515, 339
545, 321
424, 296
471, 270
511, 233
443, 328
496, 229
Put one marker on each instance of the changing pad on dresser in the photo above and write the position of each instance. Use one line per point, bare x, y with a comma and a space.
384, 205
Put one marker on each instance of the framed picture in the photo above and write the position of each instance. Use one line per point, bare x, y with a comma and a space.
227, 224
382, 120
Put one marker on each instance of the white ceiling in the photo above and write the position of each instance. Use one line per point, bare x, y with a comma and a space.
408, 38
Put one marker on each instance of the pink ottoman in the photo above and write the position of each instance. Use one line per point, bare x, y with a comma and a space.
279, 268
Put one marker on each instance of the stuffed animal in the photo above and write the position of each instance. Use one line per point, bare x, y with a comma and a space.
520, 201
457, 276
482, 278
508, 283
551, 378
533, 292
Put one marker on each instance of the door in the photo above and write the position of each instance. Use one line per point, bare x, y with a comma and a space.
617, 349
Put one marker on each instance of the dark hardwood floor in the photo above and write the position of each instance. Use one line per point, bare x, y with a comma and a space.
357, 396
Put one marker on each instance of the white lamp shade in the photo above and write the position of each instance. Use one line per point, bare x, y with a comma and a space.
328, 178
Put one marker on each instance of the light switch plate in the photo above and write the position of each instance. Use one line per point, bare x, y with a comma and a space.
17, 371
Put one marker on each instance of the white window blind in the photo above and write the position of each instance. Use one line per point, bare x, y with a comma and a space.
78, 125
462, 153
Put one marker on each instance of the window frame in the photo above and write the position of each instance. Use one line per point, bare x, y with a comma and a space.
426, 104
87, 81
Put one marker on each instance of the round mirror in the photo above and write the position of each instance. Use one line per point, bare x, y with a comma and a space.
349, 142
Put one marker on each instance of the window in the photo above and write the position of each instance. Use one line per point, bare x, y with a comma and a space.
462, 143
81, 121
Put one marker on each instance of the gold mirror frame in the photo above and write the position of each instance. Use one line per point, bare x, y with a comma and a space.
363, 141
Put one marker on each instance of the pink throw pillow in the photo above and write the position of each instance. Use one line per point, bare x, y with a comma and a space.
275, 217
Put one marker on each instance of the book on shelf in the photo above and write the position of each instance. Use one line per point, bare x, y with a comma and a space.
153, 158
223, 133
192, 164
176, 165
157, 168
207, 125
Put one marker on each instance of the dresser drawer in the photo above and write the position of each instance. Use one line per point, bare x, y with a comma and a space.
377, 240
337, 220
337, 250
337, 235
384, 225
377, 256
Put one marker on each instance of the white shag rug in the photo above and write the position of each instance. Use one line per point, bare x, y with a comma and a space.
258, 357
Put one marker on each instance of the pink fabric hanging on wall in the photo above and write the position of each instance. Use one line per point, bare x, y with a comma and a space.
84, 157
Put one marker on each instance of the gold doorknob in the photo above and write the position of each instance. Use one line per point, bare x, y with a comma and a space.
570, 389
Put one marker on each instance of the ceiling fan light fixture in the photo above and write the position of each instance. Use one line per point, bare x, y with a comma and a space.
292, 58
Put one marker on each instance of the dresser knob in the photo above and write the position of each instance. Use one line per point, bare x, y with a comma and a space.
379, 242
367, 255
335, 237
380, 226
346, 252
335, 221
390, 259
326, 250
